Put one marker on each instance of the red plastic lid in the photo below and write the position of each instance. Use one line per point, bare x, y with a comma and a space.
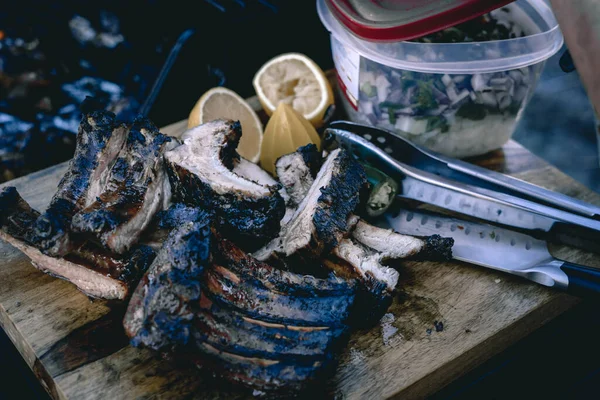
395, 20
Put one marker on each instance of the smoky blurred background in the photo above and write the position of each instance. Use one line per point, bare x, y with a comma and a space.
55, 53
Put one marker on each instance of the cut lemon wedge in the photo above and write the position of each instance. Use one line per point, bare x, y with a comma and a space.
296, 80
220, 102
286, 130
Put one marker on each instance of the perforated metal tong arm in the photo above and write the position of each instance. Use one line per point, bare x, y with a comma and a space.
461, 171
473, 200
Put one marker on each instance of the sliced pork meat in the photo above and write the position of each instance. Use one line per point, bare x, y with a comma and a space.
99, 142
206, 300
166, 220
137, 188
263, 292
286, 376
160, 314
201, 174
297, 172
265, 328
94, 272
392, 245
321, 220
255, 173
362, 256
230, 329
378, 281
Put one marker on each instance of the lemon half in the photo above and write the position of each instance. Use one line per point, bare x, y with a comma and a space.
296, 80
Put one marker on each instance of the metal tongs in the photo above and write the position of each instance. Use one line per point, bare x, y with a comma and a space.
458, 186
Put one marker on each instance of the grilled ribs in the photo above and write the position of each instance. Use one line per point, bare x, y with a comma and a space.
161, 311
321, 219
253, 324
392, 245
201, 175
297, 172
137, 188
99, 142
95, 272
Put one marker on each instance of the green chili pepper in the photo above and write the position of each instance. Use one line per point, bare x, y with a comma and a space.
383, 191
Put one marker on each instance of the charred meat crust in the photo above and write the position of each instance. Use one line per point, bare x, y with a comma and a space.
166, 220
176, 215
268, 329
249, 218
99, 273
232, 257
260, 291
312, 158
256, 301
281, 375
246, 220
134, 193
160, 313
239, 334
338, 200
437, 248
16, 215
98, 143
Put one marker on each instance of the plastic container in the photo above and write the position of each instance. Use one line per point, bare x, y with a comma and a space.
460, 99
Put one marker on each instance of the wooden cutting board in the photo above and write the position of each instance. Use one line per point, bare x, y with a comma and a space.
77, 348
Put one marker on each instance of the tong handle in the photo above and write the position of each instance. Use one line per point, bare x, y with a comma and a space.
583, 281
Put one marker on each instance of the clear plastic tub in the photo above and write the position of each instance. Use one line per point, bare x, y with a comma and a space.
460, 99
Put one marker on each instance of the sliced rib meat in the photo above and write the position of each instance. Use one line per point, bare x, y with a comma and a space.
297, 171
255, 173
265, 328
242, 335
263, 292
392, 245
137, 188
253, 324
201, 174
367, 264
94, 272
378, 281
361, 257
160, 313
286, 376
99, 142
166, 220
321, 219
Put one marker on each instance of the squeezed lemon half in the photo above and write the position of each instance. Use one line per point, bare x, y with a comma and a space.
286, 130
296, 80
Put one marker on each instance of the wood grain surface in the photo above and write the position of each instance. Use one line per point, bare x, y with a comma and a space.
77, 348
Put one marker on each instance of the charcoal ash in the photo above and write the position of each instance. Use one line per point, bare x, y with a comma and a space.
14, 137
85, 33
49, 139
41, 89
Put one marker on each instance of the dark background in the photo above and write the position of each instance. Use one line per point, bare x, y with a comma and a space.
232, 40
